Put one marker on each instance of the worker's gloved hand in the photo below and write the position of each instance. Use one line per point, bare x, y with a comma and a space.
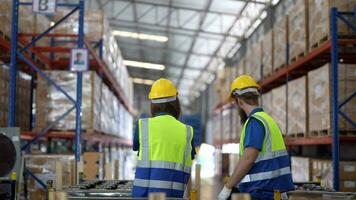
224, 194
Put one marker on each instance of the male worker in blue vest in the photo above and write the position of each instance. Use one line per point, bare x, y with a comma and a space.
264, 164
164, 145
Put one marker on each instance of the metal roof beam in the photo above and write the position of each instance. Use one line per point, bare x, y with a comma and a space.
169, 32
150, 47
252, 1
117, 22
177, 7
223, 41
201, 22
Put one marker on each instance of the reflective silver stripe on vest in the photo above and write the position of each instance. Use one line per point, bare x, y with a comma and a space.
144, 134
268, 133
164, 165
145, 162
271, 155
159, 184
266, 175
187, 146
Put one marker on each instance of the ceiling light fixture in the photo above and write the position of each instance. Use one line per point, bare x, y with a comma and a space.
142, 81
140, 36
145, 65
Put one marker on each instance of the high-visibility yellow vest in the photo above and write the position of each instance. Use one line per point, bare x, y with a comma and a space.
164, 162
273, 148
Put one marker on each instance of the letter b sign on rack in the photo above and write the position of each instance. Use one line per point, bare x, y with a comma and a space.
45, 7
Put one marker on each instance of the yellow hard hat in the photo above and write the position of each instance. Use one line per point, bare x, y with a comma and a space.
243, 82
162, 88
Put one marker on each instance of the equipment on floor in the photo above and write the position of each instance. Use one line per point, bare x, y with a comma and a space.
10, 162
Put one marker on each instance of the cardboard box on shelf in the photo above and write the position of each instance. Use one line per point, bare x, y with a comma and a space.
102, 111
253, 60
297, 107
301, 169
298, 30
319, 92
267, 102
268, 53
280, 41
279, 107
93, 168
319, 20
322, 171
44, 167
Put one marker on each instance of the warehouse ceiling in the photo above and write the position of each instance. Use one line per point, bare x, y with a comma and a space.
196, 36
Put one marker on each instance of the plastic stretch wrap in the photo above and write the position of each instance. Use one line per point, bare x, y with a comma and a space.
100, 107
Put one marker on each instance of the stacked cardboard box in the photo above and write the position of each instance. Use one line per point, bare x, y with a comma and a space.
280, 41
301, 169
267, 102
226, 124
102, 112
240, 68
268, 53
44, 167
319, 19
23, 99
298, 30
297, 107
93, 168
236, 125
254, 60
279, 104
322, 171
96, 27
320, 90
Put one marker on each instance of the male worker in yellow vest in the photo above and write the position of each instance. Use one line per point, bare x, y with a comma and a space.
264, 164
164, 145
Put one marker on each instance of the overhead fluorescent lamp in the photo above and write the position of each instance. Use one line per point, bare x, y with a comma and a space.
142, 81
140, 36
145, 65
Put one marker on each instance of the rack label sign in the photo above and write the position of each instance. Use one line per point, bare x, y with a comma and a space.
45, 7
79, 60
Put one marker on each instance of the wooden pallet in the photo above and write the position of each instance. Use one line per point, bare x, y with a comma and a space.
328, 132
320, 42
297, 135
295, 58
3, 35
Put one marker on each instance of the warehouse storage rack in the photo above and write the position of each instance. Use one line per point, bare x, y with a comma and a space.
23, 51
326, 52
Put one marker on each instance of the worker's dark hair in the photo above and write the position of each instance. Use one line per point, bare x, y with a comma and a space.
251, 98
171, 108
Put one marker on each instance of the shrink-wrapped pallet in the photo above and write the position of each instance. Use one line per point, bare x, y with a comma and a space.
5, 18
44, 168
267, 102
320, 91
280, 41
240, 68
301, 169
236, 125
297, 107
254, 60
100, 107
323, 170
279, 104
319, 20
267, 53
298, 30
226, 124
23, 99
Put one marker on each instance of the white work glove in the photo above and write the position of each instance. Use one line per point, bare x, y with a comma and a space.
224, 194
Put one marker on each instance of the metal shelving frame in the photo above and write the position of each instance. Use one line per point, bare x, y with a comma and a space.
326, 52
23, 51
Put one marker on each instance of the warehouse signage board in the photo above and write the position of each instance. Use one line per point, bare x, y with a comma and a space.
45, 7
79, 60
